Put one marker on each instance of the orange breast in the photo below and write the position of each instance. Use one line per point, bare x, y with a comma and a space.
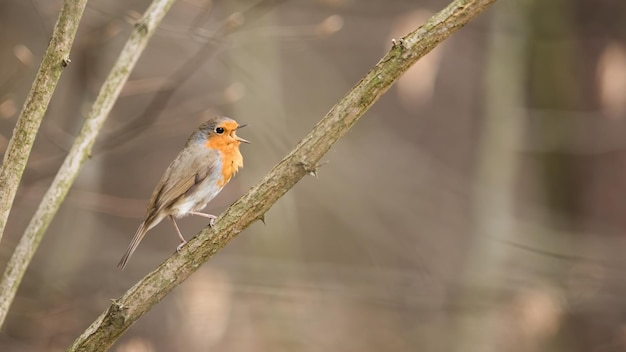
232, 159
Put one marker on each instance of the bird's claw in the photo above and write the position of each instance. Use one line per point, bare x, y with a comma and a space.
180, 246
395, 43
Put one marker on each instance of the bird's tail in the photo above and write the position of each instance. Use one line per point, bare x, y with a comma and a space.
141, 232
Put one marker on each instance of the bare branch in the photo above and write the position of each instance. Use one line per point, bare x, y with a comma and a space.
301, 161
54, 61
79, 153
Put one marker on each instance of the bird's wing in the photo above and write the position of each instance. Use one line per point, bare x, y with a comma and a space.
178, 179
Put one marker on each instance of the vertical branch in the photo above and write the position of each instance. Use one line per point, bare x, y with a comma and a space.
79, 153
54, 60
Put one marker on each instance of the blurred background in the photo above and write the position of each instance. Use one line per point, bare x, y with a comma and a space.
478, 206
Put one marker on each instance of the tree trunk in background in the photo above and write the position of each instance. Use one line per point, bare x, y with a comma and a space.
488, 276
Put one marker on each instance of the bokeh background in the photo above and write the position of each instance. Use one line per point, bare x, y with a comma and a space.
478, 206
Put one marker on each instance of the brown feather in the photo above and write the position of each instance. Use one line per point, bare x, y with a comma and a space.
178, 181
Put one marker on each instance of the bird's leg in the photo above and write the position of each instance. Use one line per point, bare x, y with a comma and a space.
182, 239
211, 217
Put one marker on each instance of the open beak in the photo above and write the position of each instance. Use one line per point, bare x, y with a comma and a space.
239, 138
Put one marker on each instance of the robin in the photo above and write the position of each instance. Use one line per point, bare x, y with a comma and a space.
205, 165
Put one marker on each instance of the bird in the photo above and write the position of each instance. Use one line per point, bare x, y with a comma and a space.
209, 159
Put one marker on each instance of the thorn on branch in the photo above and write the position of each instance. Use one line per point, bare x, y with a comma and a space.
117, 312
261, 218
309, 169
142, 27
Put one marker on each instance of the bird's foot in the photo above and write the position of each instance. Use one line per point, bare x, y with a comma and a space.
210, 216
180, 246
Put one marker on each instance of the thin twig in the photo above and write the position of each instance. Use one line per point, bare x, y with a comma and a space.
304, 159
79, 153
54, 60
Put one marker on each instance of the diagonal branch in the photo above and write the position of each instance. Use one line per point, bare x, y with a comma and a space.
54, 60
79, 153
301, 161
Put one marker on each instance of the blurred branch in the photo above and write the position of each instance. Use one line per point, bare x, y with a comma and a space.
301, 161
79, 152
54, 60
173, 82
497, 171
186, 70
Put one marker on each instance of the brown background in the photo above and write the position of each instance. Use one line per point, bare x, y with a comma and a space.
478, 206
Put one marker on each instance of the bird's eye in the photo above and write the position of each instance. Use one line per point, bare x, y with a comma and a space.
219, 130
